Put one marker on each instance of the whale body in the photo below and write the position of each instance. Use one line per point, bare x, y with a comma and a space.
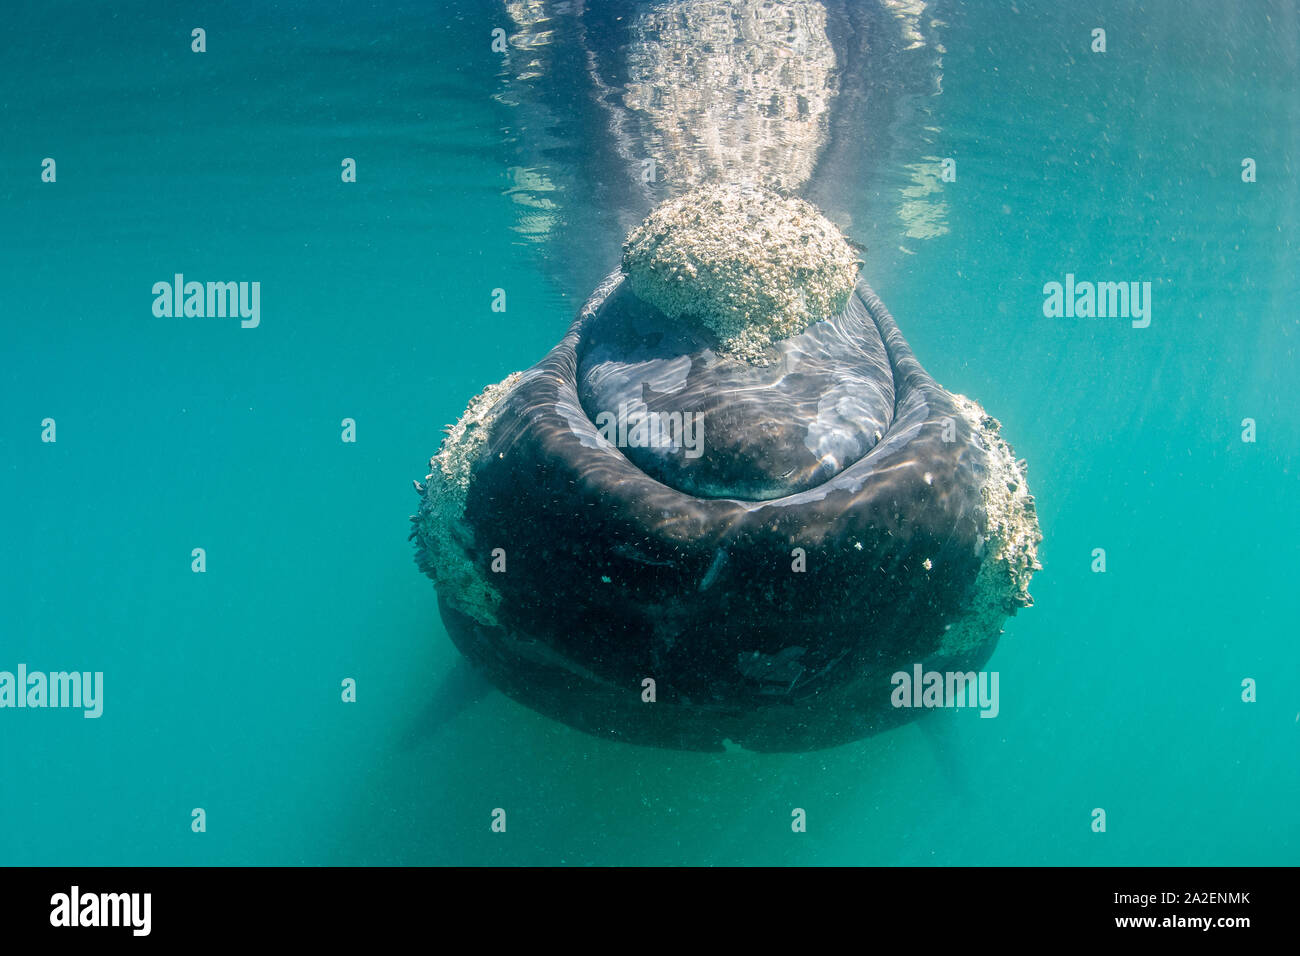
656, 539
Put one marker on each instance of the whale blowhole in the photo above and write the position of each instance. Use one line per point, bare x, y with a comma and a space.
750, 265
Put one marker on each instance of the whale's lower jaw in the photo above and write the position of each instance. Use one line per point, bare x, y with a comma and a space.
591, 592
766, 717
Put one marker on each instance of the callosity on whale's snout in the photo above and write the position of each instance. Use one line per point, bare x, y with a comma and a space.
730, 504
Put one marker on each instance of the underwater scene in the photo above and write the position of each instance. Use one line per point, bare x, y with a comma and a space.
656, 433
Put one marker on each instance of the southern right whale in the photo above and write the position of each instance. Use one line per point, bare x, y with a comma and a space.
848, 518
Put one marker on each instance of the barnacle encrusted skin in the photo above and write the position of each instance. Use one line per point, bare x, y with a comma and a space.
1010, 543
748, 264
445, 548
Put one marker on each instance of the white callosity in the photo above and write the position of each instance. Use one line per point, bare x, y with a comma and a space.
1010, 545
446, 542
750, 265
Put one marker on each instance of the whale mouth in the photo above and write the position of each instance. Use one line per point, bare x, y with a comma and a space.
821, 402
756, 531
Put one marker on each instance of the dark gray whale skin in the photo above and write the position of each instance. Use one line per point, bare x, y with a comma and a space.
615, 577
628, 565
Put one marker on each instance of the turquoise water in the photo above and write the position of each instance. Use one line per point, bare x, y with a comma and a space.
1119, 690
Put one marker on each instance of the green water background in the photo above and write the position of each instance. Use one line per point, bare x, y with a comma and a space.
1118, 690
